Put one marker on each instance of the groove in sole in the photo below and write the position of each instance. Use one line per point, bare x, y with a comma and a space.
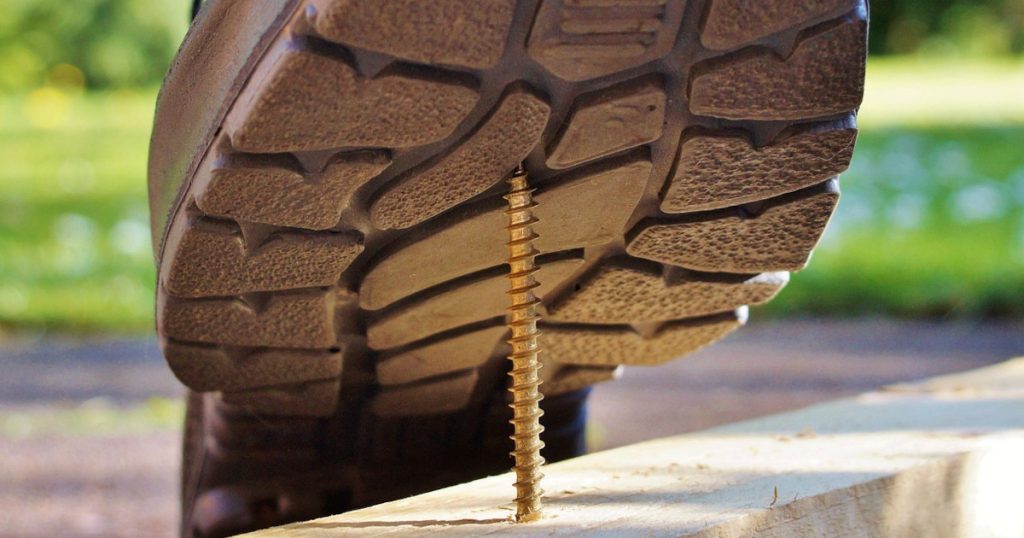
470, 302
778, 239
823, 76
303, 100
577, 344
467, 33
501, 143
731, 23
715, 171
610, 121
588, 209
213, 259
207, 368
277, 191
633, 293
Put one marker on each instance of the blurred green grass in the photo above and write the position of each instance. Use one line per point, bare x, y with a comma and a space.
930, 222
74, 233
96, 416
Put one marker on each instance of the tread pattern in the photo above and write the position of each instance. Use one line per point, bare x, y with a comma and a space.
720, 171
732, 23
467, 33
229, 369
297, 107
583, 39
276, 191
476, 300
335, 278
500, 144
614, 346
623, 294
778, 239
816, 80
213, 258
590, 209
608, 122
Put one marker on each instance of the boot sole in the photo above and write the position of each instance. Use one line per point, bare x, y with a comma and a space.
336, 265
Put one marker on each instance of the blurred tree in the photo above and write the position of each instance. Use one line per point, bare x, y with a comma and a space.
114, 43
947, 27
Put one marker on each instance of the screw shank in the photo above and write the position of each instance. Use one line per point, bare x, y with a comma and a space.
525, 372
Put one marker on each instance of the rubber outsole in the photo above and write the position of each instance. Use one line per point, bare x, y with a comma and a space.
336, 266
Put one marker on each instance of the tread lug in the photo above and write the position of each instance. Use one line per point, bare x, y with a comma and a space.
720, 171
445, 356
497, 147
613, 346
317, 398
468, 33
293, 320
272, 193
310, 101
590, 209
208, 261
610, 121
731, 23
779, 239
427, 398
584, 39
624, 294
816, 80
207, 368
476, 300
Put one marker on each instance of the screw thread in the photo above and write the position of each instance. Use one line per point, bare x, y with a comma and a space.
525, 373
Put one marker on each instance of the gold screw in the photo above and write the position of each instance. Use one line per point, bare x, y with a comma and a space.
525, 371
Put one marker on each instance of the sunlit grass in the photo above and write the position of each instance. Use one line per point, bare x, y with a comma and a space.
96, 144
911, 92
930, 221
74, 227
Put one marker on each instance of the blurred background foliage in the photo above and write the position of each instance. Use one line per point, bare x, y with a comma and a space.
961, 28
111, 43
930, 225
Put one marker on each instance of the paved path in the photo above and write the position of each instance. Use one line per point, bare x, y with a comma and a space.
107, 480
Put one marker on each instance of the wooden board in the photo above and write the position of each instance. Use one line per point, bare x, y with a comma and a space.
944, 457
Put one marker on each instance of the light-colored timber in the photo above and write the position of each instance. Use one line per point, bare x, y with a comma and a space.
938, 458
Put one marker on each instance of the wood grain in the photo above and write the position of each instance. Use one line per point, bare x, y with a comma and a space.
935, 458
